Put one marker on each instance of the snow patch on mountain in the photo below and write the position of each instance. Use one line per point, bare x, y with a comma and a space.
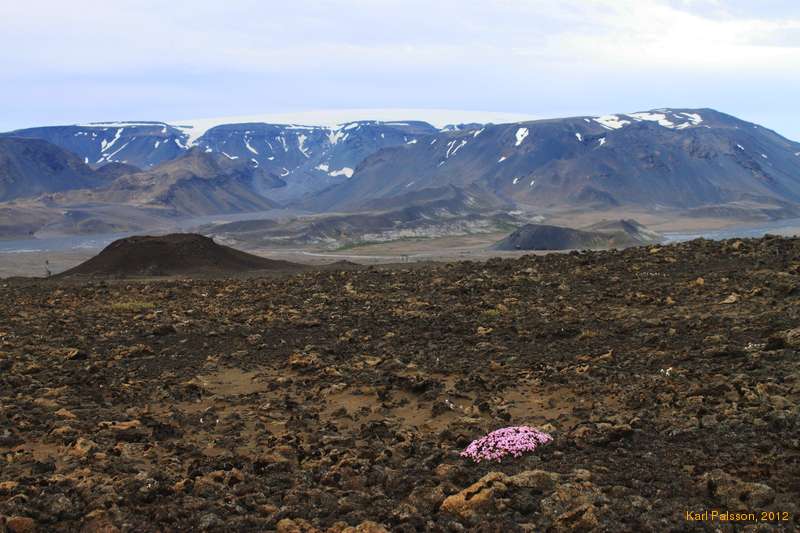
694, 118
249, 146
301, 145
118, 150
678, 121
453, 148
654, 117
346, 171
105, 145
521, 134
611, 122
334, 136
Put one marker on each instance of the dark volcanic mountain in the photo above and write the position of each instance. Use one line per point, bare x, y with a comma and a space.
29, 167
175, 254
616, 234
678, 158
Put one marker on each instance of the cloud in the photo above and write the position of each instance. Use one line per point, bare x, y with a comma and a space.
243, 56
246, 35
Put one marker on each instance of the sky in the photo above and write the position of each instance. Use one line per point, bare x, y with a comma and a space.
78, 61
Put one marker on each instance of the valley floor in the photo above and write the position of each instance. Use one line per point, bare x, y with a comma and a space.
474, 247
668, 377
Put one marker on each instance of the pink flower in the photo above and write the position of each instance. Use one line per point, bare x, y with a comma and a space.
506, 441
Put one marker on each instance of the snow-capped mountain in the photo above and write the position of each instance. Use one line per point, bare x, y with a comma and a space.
307, 158
678, 158
670, 157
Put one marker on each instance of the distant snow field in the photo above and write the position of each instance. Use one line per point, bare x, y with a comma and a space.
332, 118
615, 122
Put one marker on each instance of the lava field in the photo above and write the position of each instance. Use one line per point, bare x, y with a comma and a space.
667, 376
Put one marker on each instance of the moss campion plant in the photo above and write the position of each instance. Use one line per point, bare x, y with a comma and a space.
512, 441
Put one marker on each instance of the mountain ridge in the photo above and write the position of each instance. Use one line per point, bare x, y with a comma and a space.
677, 158
688, 157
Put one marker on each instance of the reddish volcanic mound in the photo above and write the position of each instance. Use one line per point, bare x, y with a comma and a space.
174, 254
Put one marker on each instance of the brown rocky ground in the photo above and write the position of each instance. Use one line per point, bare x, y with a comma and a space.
669, 378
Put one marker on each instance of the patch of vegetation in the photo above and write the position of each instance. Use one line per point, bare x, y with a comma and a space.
132, 305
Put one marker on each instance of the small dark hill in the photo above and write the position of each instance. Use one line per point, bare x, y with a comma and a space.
613, 234
630, 227
174, 254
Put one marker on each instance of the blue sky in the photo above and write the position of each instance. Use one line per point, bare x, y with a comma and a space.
82, 60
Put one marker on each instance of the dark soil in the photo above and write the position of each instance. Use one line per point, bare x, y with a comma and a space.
669, 378
171, 255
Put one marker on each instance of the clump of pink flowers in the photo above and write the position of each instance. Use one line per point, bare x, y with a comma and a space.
514, 441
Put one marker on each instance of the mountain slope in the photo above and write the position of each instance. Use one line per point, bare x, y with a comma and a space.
679, 158
30, 167
197, 183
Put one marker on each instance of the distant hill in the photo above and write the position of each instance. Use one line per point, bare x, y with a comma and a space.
629, 227
197, 183
614, 234
175, 254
